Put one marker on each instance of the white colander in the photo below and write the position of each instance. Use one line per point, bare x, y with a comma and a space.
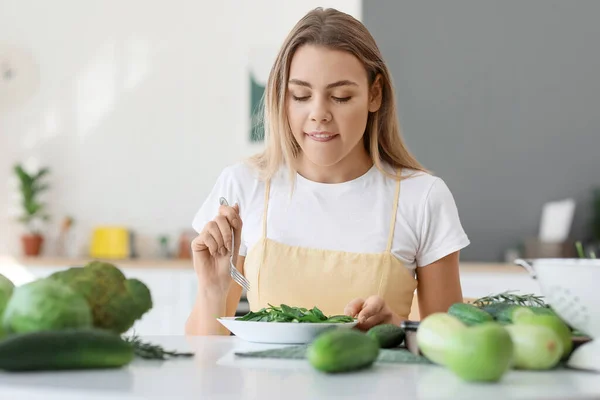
572, 288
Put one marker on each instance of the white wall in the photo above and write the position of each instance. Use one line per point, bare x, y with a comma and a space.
139, 107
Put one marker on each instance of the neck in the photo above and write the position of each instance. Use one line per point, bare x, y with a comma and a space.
351, 167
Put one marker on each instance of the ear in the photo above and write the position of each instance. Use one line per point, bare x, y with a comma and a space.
376, 94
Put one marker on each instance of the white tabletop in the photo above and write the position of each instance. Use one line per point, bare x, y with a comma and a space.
216, 373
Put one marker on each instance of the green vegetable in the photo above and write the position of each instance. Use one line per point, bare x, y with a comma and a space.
342, 350
536, 347
64, 350
501, 306
469, 314
286, 313
142, 298
387, 335
116, 302
551, 321
500, 311
543, 311
480, 353
6, 290
45, 305
433, 335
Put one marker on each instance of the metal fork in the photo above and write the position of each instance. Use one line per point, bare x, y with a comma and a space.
235, 274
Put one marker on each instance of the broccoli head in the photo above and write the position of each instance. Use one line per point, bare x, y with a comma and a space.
141, 296
116, 302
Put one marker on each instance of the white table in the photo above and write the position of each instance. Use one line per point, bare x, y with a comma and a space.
215, 373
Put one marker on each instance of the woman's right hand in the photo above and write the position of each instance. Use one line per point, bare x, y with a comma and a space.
211, 250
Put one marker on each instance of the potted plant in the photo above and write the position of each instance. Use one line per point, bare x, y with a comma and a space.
31, 186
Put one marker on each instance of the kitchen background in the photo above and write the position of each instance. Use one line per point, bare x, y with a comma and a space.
135, 107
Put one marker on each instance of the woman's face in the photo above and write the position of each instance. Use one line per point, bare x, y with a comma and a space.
328, 103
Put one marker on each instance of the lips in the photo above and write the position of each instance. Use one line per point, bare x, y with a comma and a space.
322, 136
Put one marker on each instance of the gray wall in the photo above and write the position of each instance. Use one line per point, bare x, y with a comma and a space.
502, 100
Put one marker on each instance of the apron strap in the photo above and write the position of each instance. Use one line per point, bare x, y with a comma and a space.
266, 207
394, 212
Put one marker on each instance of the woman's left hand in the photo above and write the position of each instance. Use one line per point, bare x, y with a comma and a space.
370, 312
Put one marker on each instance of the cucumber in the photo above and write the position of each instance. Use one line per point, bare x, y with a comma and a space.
504, 314
64, 350
435, 335
387, 335
342, 350
469, 314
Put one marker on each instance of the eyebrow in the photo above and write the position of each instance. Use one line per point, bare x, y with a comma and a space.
330, 86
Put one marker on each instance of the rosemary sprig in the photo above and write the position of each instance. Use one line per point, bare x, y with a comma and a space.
151, 351
508, 297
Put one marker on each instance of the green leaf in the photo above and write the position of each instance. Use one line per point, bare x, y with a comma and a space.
310, 318
40, 188
30, 187
286, 313
319, 314
339, 318
41, 173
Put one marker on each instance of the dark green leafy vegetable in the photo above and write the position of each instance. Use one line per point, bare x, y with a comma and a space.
285, 313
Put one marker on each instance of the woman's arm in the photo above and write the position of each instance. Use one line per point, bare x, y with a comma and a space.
203, 318
439, 285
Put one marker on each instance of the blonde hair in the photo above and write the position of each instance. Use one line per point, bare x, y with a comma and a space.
336, 30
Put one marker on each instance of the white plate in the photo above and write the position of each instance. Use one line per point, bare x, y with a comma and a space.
279, 332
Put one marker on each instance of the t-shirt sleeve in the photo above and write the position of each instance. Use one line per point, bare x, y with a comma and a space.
223, 187
441, 230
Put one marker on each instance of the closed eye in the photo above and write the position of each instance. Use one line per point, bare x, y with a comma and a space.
342, 99
336, 99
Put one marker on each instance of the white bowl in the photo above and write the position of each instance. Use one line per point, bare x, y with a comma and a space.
571, 287
279, 332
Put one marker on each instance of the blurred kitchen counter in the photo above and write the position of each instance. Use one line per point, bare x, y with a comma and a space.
173, 284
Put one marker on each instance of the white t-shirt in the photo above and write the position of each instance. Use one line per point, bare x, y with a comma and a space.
353, 216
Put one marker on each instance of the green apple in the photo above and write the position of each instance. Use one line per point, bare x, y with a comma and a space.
480, 353
536, 347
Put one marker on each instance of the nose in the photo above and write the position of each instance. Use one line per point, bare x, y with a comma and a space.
320, 112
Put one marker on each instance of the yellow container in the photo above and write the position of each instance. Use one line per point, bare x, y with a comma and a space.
111, 242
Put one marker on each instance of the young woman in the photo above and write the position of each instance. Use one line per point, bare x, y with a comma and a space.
336, 212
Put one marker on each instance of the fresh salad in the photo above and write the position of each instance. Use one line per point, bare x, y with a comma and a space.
285, 313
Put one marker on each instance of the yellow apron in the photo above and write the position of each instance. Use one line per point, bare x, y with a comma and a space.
308, 277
